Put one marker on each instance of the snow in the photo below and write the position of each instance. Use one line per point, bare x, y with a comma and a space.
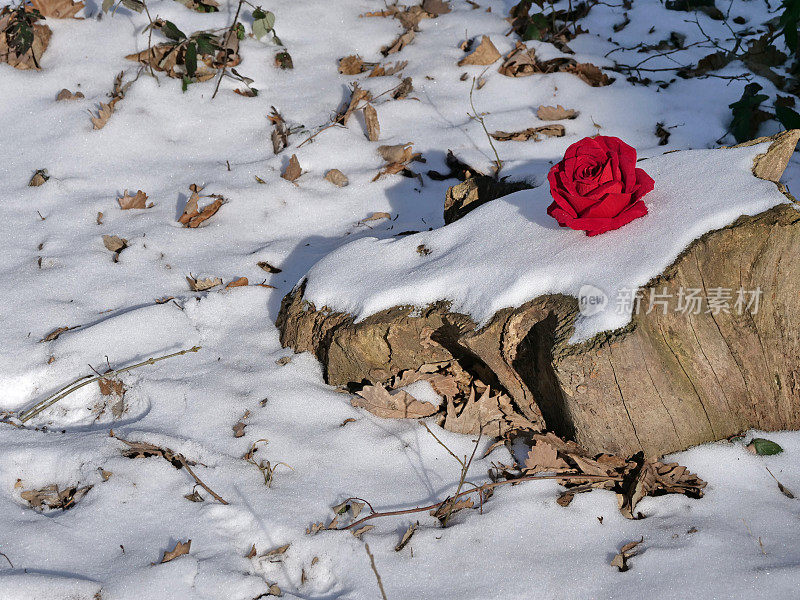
423, 391
510, 251
161, 140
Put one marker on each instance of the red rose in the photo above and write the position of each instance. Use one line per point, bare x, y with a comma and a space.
596, 187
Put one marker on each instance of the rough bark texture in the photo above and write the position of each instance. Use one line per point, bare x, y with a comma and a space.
665, 382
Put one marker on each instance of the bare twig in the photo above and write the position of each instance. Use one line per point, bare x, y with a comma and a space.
165, 453
230, 32
12, 564
375, 570
479, 119
82, 381
480, 489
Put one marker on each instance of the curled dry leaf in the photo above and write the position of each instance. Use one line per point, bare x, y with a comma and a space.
201, 285
351, 65
283, 60
268, 267
280, 132
520, 62
555, 113
404, 89
398, 405
337, 178
401, 42
65, 94
484, 54
446, 509
238, 429
356, 96
292, 170
51, 497
180, 549
371, 120
626, 552
406, 537
535, 133
139, 200
192, 217
55, 333
382, 71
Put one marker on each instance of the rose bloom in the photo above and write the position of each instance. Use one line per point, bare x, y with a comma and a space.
596, 187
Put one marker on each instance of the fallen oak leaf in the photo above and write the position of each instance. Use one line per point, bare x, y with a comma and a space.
115, 243
356, 96
555, 113
485, 54
397, 153
398, 405
180, 549
65, 94
139, 200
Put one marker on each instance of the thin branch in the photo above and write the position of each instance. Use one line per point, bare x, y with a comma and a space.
225, 64
375, 570
486, 131
82, 381
185, 464
482, 488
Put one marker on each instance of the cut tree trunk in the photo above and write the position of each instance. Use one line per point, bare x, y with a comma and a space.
661, 384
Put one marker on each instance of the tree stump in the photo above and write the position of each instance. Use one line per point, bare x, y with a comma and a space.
663, 383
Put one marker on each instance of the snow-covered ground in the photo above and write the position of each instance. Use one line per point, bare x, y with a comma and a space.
738, 541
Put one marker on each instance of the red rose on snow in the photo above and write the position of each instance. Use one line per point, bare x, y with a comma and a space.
596, 187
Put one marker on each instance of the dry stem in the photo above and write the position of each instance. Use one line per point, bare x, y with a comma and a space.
82, 381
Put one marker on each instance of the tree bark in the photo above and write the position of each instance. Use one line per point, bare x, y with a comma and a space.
665, 382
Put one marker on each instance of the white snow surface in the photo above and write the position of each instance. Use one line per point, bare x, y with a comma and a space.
510, 251
55, 272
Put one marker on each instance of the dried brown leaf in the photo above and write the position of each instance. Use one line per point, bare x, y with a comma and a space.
351, 65
520, 62
337, 178
115, 243
201, 285
397, 153
180, 549
371, 120
555, 113
192, 217
58, 9
398, 405
238, 429
65, 94
292, 170
589, 73
239, 282
534, 133
356, 96
268, 267
406, 537
139, 200
39, 178
361, 531
377, 216
401, 42
484, 54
